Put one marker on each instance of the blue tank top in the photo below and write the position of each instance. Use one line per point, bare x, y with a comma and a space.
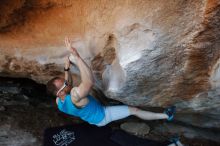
93, 112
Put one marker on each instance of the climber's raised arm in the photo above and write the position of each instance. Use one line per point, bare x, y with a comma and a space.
68, 76
87, 79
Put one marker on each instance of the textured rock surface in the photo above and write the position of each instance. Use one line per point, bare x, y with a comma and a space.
145, 53
25, 114
136, 128
188, 132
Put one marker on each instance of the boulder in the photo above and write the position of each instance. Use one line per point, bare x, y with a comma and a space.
142, 53
136, 128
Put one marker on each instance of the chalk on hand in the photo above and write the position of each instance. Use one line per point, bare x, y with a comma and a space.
72, 59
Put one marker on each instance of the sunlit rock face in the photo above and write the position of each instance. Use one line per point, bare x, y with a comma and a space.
142, 53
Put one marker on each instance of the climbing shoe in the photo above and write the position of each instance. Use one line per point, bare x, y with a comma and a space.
175, 140
170, 111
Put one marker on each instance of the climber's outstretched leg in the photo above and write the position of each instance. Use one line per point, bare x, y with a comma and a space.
146, 115
113, 113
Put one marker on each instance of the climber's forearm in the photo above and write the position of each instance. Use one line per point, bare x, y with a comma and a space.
85, 72
68, 77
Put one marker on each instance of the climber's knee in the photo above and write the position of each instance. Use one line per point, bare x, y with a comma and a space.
133, 110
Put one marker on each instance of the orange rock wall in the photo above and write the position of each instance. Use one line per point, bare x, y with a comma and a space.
142, 52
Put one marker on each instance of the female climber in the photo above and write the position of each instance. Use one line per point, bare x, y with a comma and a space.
76, 101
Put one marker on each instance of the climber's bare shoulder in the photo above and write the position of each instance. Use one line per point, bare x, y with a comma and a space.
77, 99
